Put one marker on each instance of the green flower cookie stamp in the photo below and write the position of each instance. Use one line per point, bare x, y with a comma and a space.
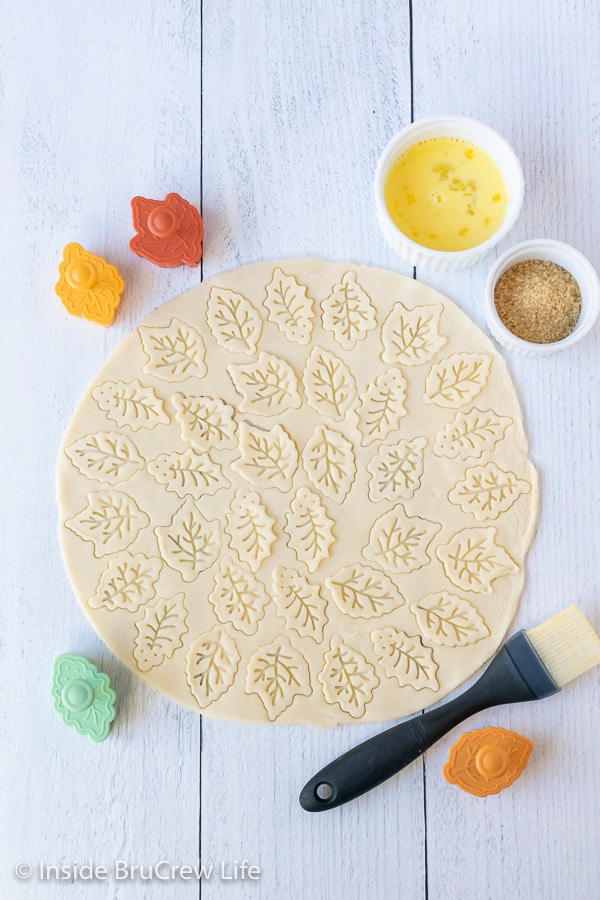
83, 696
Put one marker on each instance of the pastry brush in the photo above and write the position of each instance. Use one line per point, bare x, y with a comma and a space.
532, 664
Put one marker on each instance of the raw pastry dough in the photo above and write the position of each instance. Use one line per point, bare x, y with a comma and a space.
300, 493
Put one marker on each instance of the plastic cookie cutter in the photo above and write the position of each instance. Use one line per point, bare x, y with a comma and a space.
487, 761
83, 696
169, 232
88, 286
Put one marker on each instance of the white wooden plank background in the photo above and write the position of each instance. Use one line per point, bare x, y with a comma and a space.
271, 116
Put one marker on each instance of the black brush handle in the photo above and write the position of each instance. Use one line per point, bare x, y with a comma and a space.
516, 674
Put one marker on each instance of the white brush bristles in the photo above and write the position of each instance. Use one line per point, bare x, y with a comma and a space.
567, 644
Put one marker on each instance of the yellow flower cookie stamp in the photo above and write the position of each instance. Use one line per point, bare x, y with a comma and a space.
88, 286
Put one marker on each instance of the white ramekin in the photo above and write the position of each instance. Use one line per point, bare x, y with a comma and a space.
571, 260
469, 130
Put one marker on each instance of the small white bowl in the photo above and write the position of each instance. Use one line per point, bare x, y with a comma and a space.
571, 260
487, 140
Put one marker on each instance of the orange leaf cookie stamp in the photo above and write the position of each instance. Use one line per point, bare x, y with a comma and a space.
88, 286
169, 232
487, 761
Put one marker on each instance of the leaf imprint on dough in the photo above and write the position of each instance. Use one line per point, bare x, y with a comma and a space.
406, 659
238, 597
251, 528
399, 542
382, 406
127, 583
364, 592
329, 384
328, 459
205, 422
471, 434
472, 559
348, 312
105, 456
235, 323
289, 307
396, 470
300, 603
269, 457
347, 678
174, 352
131, 404
309, 528
191, 543
457, 380
159, 632
188, 473
211, 665
487, 491
268, 386
411, 337
278, 673
111, 521
449, 620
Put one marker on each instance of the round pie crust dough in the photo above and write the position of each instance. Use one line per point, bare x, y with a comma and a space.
300, 493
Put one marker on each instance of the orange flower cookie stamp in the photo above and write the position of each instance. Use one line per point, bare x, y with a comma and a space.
169, 232
88, 286
487, 761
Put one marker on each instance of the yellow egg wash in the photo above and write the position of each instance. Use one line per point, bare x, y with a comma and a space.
445, 194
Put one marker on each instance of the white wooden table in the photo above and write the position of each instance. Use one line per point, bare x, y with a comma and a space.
270, 117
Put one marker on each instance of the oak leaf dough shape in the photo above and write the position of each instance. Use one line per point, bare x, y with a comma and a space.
347, 678
300, 603
348, 312
457, 380
206, 422
364, 592
329, 385
328, 460
487, 491
105, 456
127, 582
235, 322
268, 457
111, 521
268, 385
131, 404
190, 544
406, 658
396, 470
398, 542
238, 597
160, 631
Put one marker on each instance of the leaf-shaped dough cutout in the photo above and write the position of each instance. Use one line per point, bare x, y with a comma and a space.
309, 528
278, 672
159, 632
300, 603
411, 337
111, 521
487, 491
449, 620
457, 380
127, 583
382, 406
406, 658
105, 456
396, 470
347, 678
205, 421
329, 384
235, 323
238, 597
250, 528
471, 434
268, 386
175, 352
211, 665
190, 544
348, 312
364, 592
328, 459
472, 559
289, 307
188, 473
131, 404
399, 542
269, 457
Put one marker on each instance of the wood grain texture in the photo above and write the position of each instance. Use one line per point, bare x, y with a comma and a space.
272, 115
